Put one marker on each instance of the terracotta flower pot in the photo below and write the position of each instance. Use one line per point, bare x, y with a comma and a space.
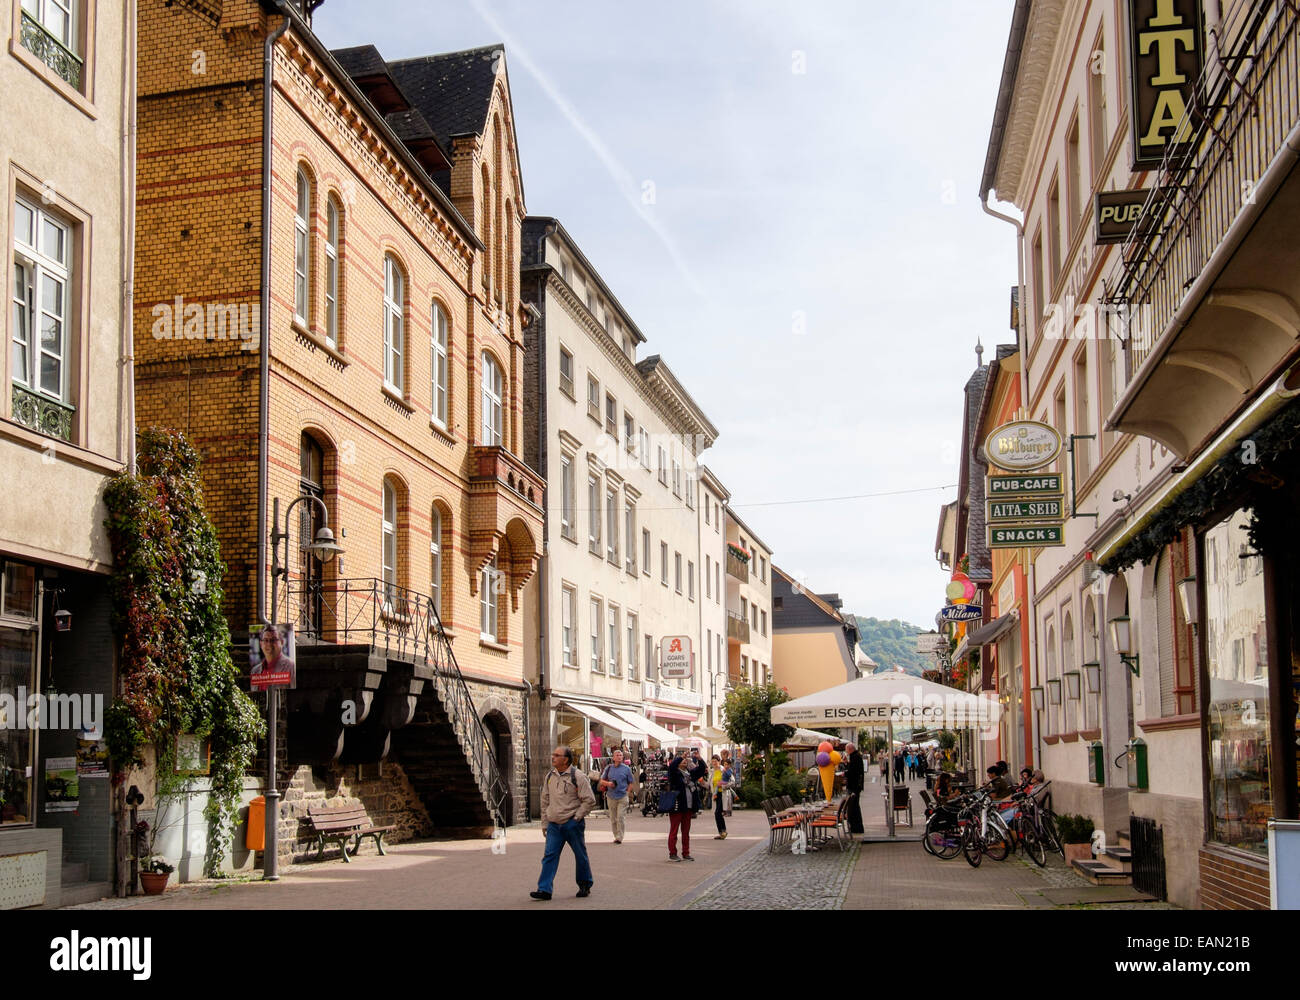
154, 883
1077, 852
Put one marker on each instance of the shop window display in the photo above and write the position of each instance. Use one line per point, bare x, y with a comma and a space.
17, 676
1237, 671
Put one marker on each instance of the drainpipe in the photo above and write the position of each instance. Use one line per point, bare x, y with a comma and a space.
126, 409
264, 324
1031, 571
543, 564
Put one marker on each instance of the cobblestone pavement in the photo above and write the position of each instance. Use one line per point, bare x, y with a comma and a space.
781, 881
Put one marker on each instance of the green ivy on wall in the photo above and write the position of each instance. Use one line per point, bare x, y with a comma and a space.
176, 674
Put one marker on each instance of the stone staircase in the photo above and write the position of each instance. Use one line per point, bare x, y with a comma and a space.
383, 651
1114, 866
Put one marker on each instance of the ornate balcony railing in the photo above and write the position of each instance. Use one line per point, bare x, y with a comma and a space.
49, 50
42, 414
1243, 107
403, 623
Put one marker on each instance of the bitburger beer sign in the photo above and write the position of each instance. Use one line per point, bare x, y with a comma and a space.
1165, 59
1022, 445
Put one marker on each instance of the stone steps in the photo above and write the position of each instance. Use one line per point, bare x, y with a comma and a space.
1100, 873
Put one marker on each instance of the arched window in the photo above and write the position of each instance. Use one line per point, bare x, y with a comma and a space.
394, 324
332, 226
1053, 707
487, 230
435, 560
302, 249
389, 544
311, 571
489, 611
1067, 666
440, 366
491, 401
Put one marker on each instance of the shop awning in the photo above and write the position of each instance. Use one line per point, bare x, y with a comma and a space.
667, 713
643, 725
993, 631
607, 720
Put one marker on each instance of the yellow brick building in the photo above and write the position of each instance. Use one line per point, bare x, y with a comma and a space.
393, 385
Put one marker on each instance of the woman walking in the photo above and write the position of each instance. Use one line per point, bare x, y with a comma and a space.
685, 805
723, 782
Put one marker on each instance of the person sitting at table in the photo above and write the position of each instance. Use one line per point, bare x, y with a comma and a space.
943, 790
998, 786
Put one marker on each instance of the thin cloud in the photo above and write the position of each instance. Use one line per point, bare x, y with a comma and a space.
623, 178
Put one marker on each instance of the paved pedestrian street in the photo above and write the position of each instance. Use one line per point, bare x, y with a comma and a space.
733, 874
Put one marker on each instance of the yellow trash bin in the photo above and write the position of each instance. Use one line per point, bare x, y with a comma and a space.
255, 839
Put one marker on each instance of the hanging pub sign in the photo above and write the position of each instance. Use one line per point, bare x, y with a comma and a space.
961, 612
1025, 536
1117, 212
1026, 510
1022, 445
1043, 484
1165, 60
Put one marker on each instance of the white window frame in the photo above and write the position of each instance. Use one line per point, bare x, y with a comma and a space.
611, 518
690, 579
568, 644
593, 397
37, 269
596, 626
645, 448
632, 642
567, 498
333, 226
646, 566
613, 640
594, 500
663, 563
629, 536
677, 478
492, 395
302, 248
489, 603
435, 559
677, 572
394, 324
40, 10
440, 367
566, 377
388, 542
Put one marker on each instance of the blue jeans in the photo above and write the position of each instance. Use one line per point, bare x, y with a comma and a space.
557, 835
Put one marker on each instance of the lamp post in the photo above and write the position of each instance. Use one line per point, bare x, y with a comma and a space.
324, 548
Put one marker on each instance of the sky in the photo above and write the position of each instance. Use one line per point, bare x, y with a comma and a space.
784, 197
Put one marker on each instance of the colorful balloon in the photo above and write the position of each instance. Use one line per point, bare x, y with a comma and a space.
825, 746
823, 759
835, 757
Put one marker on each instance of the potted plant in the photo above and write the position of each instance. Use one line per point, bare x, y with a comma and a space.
154, 873
1076, 836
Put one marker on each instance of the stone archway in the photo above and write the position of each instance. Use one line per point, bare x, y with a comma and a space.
497, 724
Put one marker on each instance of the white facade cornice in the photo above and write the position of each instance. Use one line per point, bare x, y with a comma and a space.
664, 403
1032, 87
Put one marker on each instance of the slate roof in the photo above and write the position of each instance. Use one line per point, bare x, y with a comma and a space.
981, 559
452, 90
360, 60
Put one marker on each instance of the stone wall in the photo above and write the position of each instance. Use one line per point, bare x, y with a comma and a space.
382, 789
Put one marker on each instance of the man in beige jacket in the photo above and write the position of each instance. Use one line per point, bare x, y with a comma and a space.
566, 799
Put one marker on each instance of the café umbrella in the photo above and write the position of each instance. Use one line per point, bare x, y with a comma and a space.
889, 699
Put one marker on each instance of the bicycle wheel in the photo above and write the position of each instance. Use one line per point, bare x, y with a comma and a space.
972, 846
1051, 836
998, 842
1032, 843
944, 842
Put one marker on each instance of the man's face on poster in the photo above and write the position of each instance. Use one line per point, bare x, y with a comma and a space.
272, 647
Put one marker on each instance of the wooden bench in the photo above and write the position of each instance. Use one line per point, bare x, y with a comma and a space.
341, 824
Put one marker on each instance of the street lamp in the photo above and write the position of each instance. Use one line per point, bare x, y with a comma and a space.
324, 548
1121, 637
